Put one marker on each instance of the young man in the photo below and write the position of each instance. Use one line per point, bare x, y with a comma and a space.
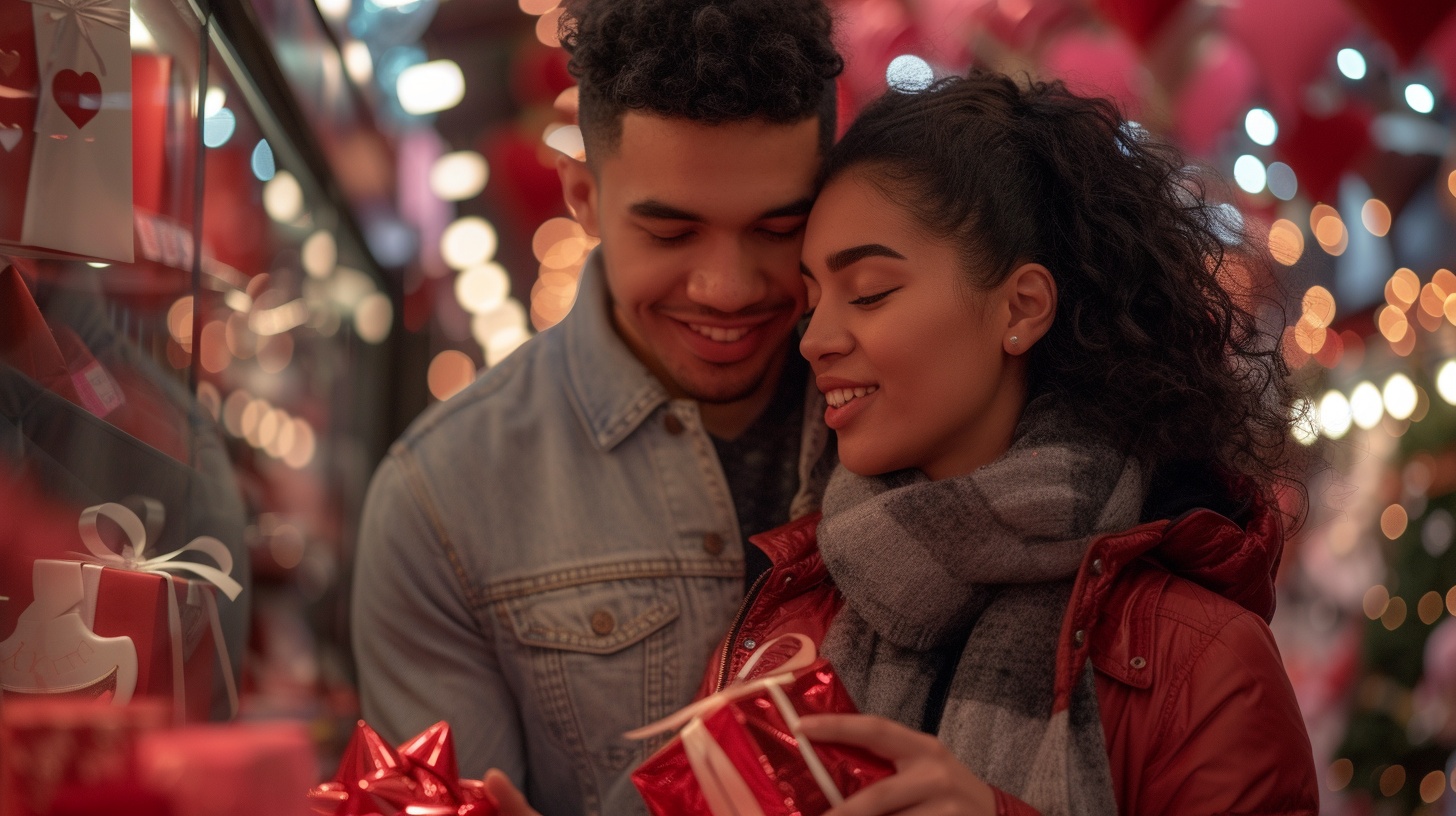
548, 559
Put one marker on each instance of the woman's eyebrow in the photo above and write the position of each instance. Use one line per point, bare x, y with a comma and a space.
845, 257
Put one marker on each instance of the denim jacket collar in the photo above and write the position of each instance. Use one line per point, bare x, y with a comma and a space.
611, 390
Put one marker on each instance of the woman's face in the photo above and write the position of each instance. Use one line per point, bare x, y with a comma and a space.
914, 361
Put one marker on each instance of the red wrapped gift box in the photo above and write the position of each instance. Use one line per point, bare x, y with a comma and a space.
60, 756
740, 751
420, 778
244, 769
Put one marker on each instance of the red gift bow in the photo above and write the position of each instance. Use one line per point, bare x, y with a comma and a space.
419, 778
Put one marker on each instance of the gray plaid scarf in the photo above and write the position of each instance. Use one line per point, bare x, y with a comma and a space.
976, 573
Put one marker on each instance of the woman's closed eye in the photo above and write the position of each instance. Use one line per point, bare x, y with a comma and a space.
870, 300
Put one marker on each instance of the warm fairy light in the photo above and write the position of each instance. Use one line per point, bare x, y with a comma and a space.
430, 87
1261, 127
1376, 217
503, 343
320, 254
1430, 607
241, 343
1451, 608
1400, 396
469, 241
210, 400
1366, 406
358, 62
507, 317
546, 28
1375, 602
1393, 522
1331, 234
1334, 414
1250, 174
552, 298
538, 7
482, 289
304, 445
1392, 619
460, 175
214, 354
1446, 381
1392, 323
275, 353
334, 10
1286, 242
1406, 287
233, 409
179, 321
568, 101
1432, 300
283, 197
268, 428
373, 317
449, 373
1309, 338
1341, 772
1444, 283
559, 243
1451, 183
1432, 785
252, 415
1319, 307
1305, 422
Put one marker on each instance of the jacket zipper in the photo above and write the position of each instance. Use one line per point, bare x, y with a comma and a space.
732, 642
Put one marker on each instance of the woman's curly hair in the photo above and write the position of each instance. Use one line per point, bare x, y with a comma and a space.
1148, 341
710, 61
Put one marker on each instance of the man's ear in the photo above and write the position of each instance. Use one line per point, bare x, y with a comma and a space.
1031, 305
579, 189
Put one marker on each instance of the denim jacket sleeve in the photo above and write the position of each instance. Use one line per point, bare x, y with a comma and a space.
419, 645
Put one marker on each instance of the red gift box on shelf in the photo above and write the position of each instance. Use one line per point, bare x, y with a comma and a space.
740, 752
122, 625
66, 757
420, 777
241, 769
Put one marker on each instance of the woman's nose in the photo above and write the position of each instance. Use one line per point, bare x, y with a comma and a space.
825, 338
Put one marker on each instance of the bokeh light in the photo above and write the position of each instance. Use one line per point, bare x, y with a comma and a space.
283, 197
373, 318
1334, 414
908, 73
1286, 242
430, 87
1283, 184
449, 373
482, 289
1261, 127
1420, 98
1376, 217
469, 241
1400, 396
1394, 521
1351, 63
1446, 382
1250, 175
320, 254
458, 176
1366, 405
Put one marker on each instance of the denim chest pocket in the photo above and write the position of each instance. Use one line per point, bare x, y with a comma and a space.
603, 660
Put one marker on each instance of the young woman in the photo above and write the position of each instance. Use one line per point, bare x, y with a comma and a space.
1045, 566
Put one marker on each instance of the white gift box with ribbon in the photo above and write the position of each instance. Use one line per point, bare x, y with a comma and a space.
55, 650
723, 787
78, 200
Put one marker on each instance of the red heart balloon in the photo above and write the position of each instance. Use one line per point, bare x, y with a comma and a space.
1139, 19
1099, 65
1321, 148
1406, 25
79, 95
1292, 42
1215, 97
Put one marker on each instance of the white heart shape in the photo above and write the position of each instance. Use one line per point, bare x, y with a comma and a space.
10, 136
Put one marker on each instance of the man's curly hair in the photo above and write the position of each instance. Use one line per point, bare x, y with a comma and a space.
709, 61
1149, 342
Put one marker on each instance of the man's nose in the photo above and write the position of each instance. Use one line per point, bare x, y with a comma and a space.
728, 279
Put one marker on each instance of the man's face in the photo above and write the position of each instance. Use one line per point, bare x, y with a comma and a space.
701, 227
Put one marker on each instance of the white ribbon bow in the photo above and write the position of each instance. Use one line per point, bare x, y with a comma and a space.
132, 558
723, 786
77, 17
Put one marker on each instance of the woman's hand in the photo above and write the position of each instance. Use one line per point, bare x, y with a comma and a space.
509, 801
928, 779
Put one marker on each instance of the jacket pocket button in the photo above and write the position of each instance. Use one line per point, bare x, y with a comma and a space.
1138, 662
673, 425
1079, 636
713, 544
602, 622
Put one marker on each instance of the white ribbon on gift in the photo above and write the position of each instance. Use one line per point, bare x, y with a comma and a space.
76, 17
724, 788
132, 558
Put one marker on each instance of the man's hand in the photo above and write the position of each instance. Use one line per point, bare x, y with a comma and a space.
509, 800
928, 779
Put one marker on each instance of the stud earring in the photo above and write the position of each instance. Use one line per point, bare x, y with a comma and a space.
1015, 339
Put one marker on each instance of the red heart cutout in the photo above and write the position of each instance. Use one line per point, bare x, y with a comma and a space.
79, 95
1405, 25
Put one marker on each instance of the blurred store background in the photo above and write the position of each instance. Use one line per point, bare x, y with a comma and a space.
344, 210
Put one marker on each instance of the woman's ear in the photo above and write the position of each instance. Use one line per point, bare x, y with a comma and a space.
579, 189
1031, 305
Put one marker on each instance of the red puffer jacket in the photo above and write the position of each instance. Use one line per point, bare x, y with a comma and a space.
1197, 710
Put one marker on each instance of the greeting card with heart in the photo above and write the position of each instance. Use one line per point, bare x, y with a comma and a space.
75, 134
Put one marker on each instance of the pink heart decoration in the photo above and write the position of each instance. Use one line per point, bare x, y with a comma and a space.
1214, 98
1100, 65
79, 95
1405, 25
9, 61
1293, 43
10, 136
1139, 19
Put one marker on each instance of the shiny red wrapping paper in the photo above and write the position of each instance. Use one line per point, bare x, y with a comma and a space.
419, 778
752, 731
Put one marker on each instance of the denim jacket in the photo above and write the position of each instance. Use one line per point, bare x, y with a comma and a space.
548, 559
